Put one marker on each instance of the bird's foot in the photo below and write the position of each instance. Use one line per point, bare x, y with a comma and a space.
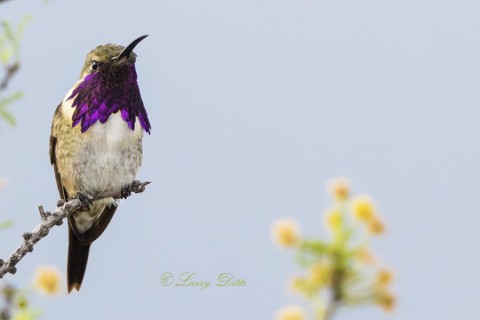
84, 199
126, 191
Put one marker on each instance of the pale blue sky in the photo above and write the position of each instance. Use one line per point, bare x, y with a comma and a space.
254, 105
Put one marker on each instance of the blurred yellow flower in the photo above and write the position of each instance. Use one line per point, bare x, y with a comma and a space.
47, 280
375, 226
319, 274
386, 300
296, 285
290, 312
384, 277
26, 314
3, 183
363, 208
365, 256
285, 232
341, 267
22, 302
334, 219
339, 188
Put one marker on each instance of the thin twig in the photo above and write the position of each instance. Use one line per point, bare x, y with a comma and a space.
10, 71
49, 220
331, 309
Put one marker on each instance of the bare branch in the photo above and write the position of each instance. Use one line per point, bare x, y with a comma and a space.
49, 220
10, 71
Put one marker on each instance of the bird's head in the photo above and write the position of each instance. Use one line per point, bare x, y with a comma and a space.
112, 61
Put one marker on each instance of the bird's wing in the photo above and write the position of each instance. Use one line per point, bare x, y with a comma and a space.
53, 157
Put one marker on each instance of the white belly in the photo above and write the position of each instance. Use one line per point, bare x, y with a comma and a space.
112, 154
107, 159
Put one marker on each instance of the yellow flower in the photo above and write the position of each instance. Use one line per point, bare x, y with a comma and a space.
26, 314
386, 300
384, 277
285, 232
290, 312
375, 226
334, 219
3, 183
319, 274
339, 188
296, 285
47, 280
22, 302
363, 208
365, 256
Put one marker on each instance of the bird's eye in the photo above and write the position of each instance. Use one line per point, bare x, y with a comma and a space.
95, 65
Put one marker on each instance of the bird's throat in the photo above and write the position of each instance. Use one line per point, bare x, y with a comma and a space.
96, 97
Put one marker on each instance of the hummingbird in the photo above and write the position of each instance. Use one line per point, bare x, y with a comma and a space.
96, 145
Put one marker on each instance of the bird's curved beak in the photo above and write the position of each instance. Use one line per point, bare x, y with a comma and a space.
126, 52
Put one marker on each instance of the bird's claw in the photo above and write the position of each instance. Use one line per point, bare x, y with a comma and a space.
126, 191
84, 199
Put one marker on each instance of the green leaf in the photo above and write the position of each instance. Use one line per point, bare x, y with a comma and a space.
22, 25
6, 224
10, 35
7, 116
11, 98
314, 246
311, 251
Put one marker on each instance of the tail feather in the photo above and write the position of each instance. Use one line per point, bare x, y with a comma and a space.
77, 261
79, 246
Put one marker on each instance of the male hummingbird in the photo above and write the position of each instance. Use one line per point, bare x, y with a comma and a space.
96, 145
